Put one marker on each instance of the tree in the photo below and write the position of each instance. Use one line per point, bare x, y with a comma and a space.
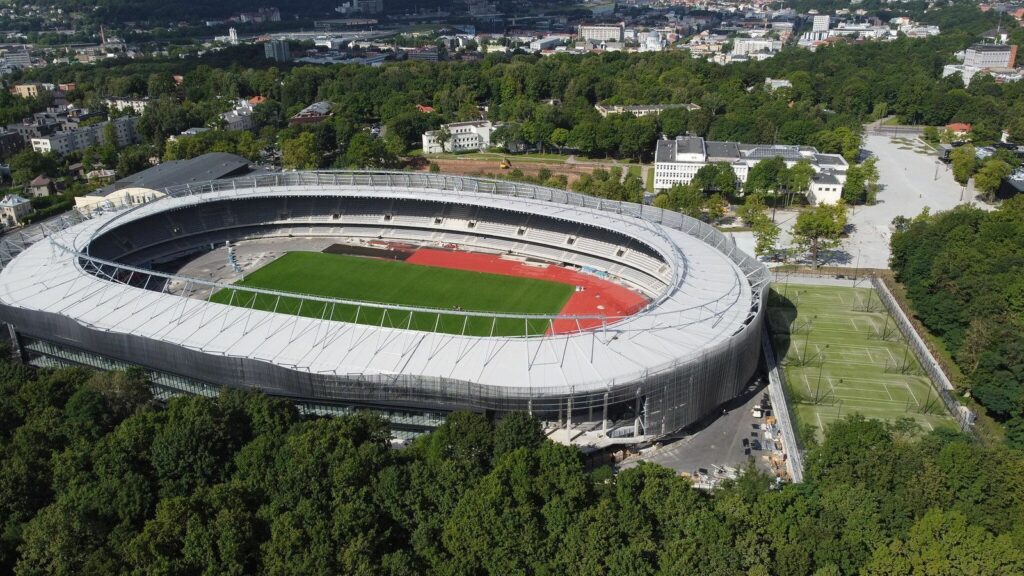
964, 164
753, 209
365, 151
160, 84
299, 153
716, 177
767, 176
162, 118
945, 544
132, 160
766, 237
410, 126
869, 171
559, 138
990, 177
685, 198
444, 136
268, 113
855, 186
28, 164
637, 137
674, 121
511, 137
841, 140
798, 178
517, 430
584, 138
714, 208
820, 228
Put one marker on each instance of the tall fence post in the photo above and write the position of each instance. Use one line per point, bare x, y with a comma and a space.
943, 387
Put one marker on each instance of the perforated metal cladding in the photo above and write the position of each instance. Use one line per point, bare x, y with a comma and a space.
671, 399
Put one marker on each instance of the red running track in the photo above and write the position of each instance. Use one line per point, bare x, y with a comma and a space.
599, 297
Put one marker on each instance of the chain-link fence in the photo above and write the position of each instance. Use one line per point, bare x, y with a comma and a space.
945, 389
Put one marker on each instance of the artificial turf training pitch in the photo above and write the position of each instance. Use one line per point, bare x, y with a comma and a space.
395, 282
842, 354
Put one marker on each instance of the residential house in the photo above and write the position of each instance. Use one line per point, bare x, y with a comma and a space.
13, 210
40, 187
314, 113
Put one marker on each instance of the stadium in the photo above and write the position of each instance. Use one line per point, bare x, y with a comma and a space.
408, 293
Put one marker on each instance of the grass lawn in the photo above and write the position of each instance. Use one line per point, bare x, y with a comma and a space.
650, 179
842, 354
395, 282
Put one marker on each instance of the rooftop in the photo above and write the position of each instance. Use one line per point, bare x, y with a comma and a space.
321, 108
990, 48
826, 178
212, 166
12, 200
718, 151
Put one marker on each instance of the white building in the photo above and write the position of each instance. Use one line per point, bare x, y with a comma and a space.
13, 209
640, 110
993, 59
773, 84
462, 137
826, 188
69, 141
601, 32
820, 23
548, 42
239, 118
751, 46
677, 161
136, 105
990, 56
652, 41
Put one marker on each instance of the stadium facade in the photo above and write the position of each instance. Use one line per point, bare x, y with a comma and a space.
89, 291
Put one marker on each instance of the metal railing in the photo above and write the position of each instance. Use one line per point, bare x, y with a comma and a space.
780, 407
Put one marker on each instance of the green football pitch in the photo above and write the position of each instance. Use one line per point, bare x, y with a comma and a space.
394, 282
842, 354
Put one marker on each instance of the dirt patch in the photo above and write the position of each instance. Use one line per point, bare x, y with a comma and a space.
389, 253
471, 167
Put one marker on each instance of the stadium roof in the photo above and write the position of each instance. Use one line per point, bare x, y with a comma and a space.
212, 166
710, 301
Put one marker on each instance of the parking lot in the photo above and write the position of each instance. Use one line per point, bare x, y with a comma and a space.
726, 441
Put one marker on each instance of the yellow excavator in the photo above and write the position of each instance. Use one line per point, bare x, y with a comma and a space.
505, 164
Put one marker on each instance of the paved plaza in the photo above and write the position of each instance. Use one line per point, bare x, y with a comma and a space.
911, 178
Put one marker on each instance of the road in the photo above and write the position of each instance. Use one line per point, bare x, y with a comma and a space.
718, 443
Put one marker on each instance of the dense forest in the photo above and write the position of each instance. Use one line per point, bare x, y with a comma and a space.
97, 478
962, 270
